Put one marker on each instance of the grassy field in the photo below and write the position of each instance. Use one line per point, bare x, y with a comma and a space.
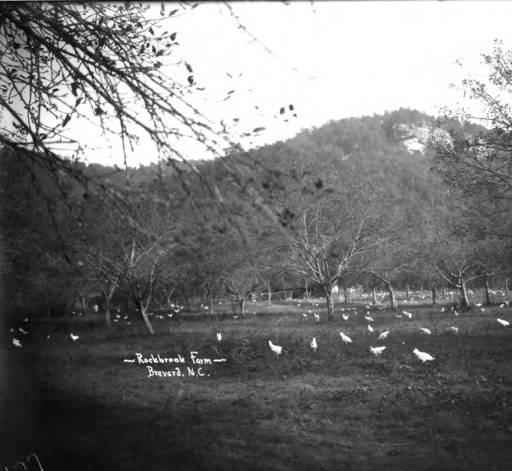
79, 406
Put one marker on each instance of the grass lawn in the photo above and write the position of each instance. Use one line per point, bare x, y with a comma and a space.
80, 407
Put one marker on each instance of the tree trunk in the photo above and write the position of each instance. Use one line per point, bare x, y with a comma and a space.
211, 309
506, 285
269, 293
434, 295
307, 289
487, 294
407, 293
330, 305
345, 295
242, 306
374, 296
463, 293
144, 315
107, 312
392, 297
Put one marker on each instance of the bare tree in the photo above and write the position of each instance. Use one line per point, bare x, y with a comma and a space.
241, 283
141, 266
325, 241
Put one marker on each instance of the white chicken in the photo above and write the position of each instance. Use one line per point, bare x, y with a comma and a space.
383, 335
425, 330
377, 350
313, 344
74, 337
275, 348
219, 336
503, 322
408, 314
16, 343
423, 356
370, 328
345, 338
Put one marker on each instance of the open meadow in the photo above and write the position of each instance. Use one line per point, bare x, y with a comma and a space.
80, 406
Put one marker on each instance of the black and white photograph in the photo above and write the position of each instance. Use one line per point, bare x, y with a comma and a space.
256, 235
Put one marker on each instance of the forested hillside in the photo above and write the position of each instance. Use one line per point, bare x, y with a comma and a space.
355, 201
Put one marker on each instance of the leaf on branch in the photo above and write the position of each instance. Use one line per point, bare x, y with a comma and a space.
261, 128
151, 31
173, 36
282, 110
189, 67
173, 12
190, 79
66, 120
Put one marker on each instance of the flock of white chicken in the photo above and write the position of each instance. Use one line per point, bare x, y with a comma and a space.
277, 349
376, 351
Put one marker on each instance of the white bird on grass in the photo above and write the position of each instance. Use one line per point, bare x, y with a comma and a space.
74, 337
345, 317
377, 350
408, 314
370, 328
383, 335
24, 332
502, 305
442, 309
369, 319
304, 315
423, 356
478, 304
426, 331
345, 338
275, 348
317, 317
456, 312
503, 322
16, 343
454, 329
219, 336
313, 344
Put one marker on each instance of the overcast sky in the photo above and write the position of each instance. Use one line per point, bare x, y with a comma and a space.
331, 60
